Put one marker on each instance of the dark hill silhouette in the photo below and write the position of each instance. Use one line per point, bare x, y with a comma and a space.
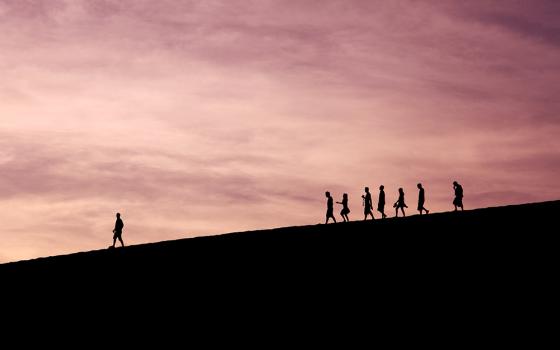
443, 244
458, 277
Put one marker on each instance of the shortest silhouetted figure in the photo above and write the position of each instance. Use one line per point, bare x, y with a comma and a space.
421, 200
381, 202
400, 203
345, 210
330, 209
368, 206
458, 201
117, 232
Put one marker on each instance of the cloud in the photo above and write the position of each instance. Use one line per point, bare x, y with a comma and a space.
199, 117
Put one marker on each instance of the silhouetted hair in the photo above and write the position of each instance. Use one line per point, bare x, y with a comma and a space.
328, 194
455, 183
118, 214
381, 187
419, 185
401, 190
367, 189
345, 195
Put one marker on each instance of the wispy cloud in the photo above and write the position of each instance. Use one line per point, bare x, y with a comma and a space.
197, 117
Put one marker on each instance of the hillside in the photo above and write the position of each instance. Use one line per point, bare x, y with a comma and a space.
447, 278
492, 242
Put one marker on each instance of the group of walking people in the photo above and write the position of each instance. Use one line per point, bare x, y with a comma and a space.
367, 203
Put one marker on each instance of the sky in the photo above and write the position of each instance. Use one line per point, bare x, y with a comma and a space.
204, 117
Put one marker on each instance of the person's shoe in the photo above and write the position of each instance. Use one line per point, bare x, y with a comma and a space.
427, 211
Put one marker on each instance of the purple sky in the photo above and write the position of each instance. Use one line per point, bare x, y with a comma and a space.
201, 117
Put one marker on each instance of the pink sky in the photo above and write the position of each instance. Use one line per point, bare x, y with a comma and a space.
202, 117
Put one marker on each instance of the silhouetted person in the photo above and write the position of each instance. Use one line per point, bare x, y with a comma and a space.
381, 202
330, 209
119, 225
368, 206
345, 210
458, 201
421, 200
400, 203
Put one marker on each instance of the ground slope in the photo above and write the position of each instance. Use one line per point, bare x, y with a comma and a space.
485, 276
447, 242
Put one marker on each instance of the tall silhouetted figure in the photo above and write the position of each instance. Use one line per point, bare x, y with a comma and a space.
330, 209
458, 201
368, 206
381, 202
421, 200
117, 232
400, 203
345, 210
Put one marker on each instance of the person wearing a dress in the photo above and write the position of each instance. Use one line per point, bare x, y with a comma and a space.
400, 203
345, 210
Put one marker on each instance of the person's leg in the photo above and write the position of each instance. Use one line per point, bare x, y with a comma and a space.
114, 241
403, 214
122, 243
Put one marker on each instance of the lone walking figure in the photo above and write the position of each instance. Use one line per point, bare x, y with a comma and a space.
117, 232
458, 201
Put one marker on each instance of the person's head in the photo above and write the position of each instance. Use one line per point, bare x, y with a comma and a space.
455, 183
366, 189
401, 191
345, 196
327, 194
118, 215
419, 185
381, 188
